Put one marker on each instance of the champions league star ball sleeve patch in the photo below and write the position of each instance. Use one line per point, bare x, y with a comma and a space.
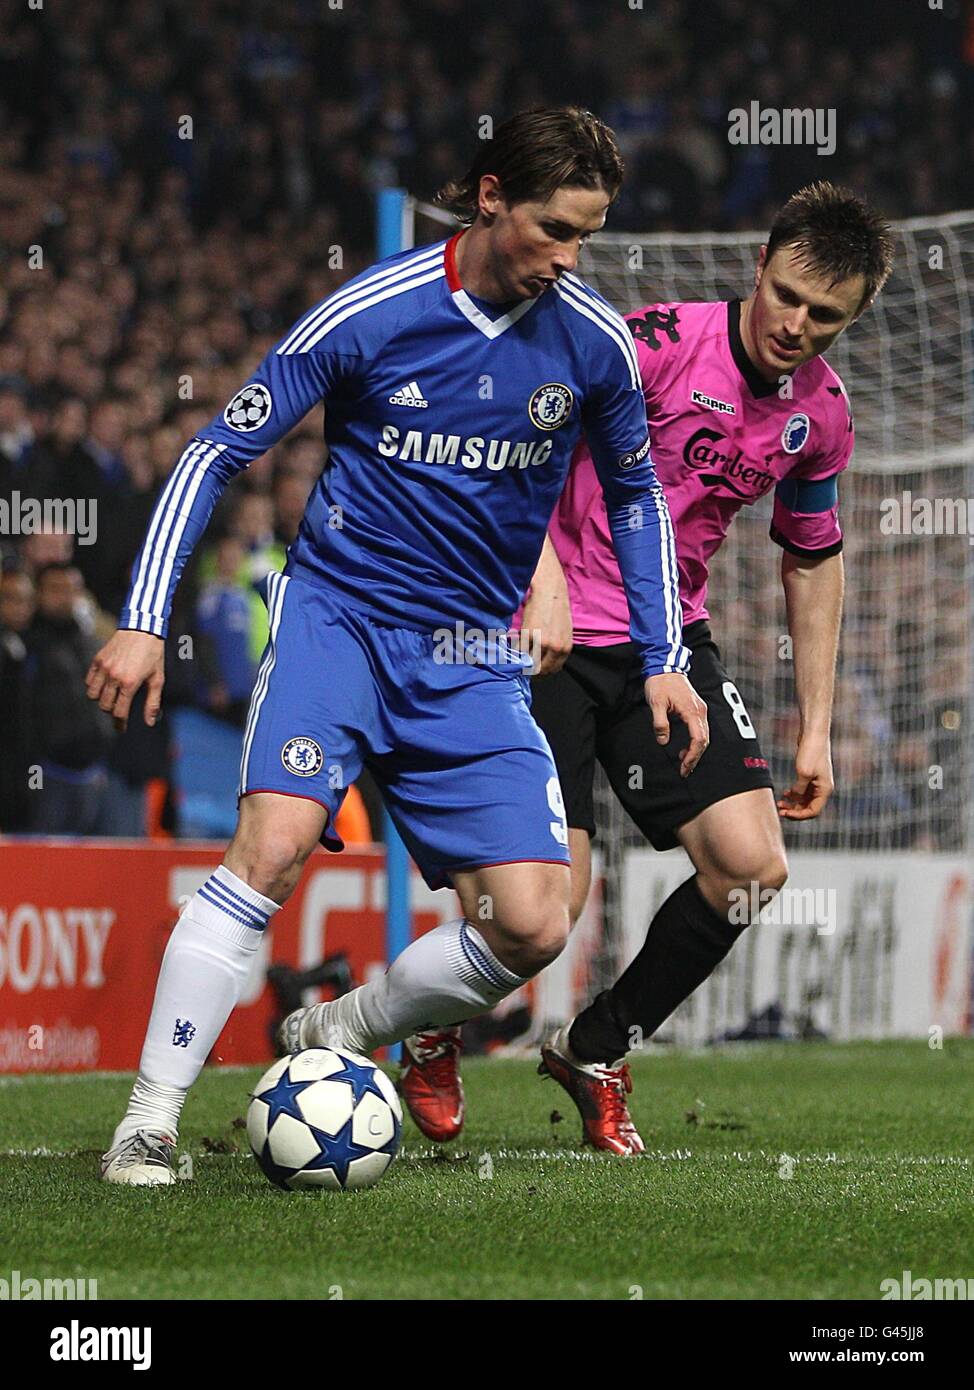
250, 408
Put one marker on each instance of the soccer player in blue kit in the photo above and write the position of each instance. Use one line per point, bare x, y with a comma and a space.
457, 379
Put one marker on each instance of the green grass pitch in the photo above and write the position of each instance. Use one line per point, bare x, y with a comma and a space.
773, 1171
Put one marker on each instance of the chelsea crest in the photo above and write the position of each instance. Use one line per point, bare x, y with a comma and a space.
551, 405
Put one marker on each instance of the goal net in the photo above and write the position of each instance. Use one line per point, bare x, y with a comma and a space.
902, 740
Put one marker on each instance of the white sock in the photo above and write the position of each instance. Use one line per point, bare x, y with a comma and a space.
203, 971
152, 1105
447, 975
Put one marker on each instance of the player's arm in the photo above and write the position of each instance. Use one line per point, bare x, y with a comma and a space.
642, 536
805, 524
546, 619
813, 598
279, 394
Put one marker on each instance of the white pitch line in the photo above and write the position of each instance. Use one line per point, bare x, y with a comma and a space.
689, 1155
470, 1160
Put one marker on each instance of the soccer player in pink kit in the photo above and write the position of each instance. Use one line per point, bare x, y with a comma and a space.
739, 401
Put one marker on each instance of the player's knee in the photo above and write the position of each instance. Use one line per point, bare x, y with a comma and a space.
754, 877
761, 868
774, 871
271, 861
765, 870
532, 954
536, 939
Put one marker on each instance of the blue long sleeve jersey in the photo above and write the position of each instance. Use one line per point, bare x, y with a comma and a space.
450, 424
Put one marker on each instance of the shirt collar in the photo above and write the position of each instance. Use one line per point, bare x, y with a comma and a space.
747, 369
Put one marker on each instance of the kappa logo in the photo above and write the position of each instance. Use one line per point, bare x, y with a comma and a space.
410, 395
551, 405
795, 433
302, 756
712, 403
249, 409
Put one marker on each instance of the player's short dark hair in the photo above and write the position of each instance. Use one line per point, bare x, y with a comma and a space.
535, 153
837, 234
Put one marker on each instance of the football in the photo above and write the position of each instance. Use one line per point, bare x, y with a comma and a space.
324, 1119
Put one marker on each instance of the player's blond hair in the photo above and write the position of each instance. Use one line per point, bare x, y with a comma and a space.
535, 153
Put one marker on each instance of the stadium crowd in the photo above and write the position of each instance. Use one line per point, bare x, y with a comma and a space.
176, 186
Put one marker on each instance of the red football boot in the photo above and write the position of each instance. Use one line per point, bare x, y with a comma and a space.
599, 1093
430, 1084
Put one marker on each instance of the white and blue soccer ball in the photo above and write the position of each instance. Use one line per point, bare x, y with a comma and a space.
324, 1118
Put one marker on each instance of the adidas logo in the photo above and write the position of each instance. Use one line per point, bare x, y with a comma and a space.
410, 395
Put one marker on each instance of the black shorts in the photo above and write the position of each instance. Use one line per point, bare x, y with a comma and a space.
595, 708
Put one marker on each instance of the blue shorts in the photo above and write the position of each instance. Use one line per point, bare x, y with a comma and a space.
466, 773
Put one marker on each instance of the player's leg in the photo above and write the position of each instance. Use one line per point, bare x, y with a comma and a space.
724, 815
515, 923
520, 941
429, 1081
477, 800
204, 969
569, 707
287, 797
734, 844
598, 1089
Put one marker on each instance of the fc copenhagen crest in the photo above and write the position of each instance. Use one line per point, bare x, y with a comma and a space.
302, 756
795, 433
250, 408
551, 405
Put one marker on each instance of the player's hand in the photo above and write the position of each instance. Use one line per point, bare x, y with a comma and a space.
546, 626
127, 661
808, 795
673, 694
